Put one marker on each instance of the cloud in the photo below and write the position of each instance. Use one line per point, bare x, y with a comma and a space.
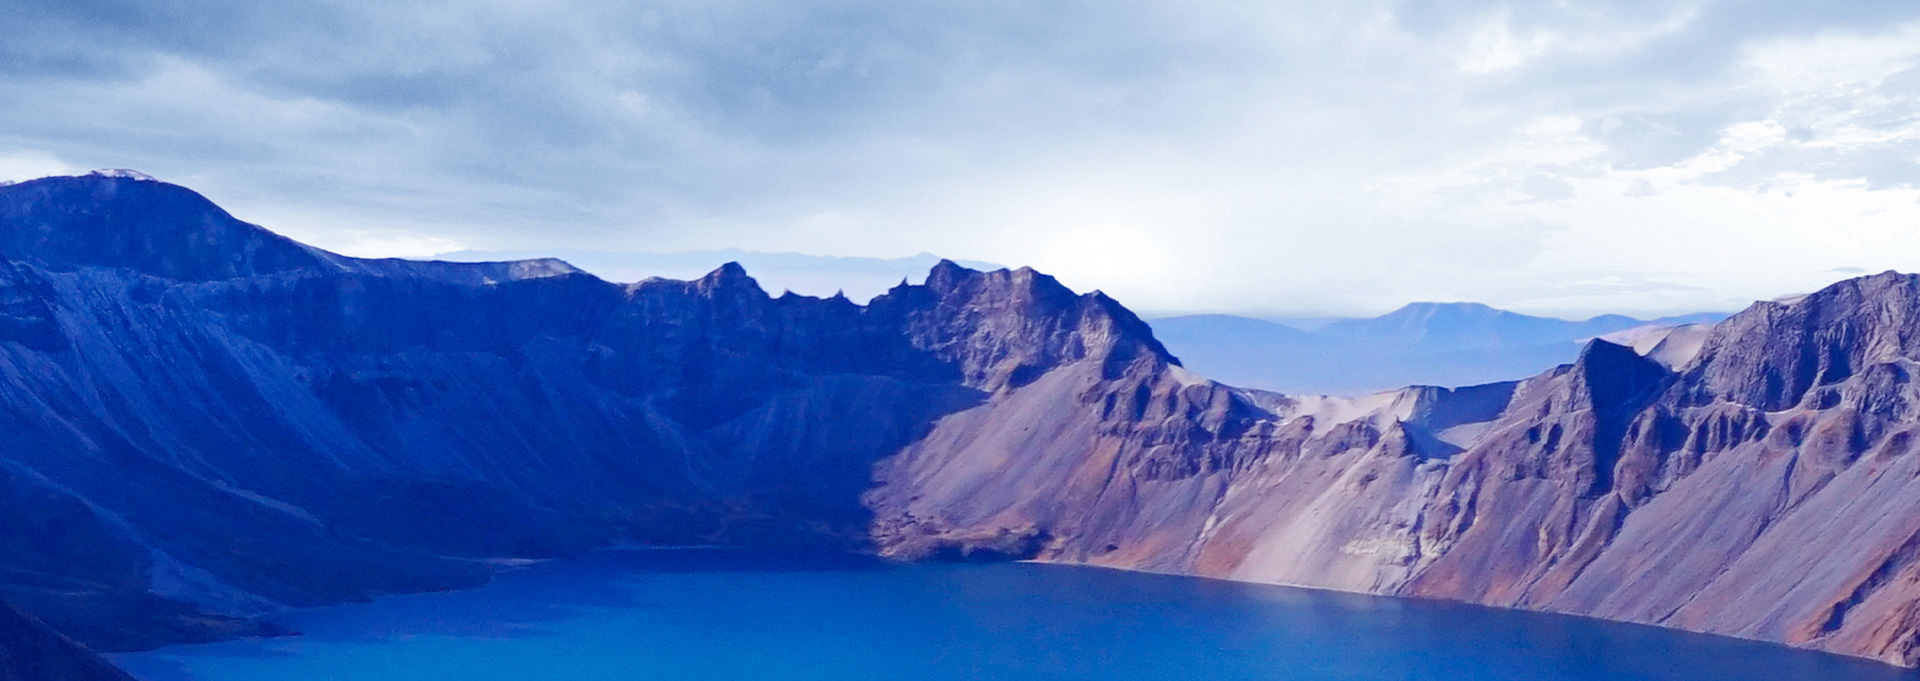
27, 165
1293, 157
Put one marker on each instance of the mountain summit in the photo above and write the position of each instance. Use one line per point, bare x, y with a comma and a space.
141, 225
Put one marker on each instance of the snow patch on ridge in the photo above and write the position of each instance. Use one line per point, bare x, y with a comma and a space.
124, 174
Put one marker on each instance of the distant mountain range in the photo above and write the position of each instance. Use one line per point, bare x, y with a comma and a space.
1443, 344
860, 279
1446, 344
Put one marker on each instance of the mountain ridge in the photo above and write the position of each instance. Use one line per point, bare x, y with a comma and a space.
313, 430
859, 278
383, 389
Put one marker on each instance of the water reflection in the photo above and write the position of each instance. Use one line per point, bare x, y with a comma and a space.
721, 614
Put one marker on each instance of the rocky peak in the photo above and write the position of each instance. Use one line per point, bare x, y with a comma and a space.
1023, 287
155, 228
1006, 327
947, 275
1774, 355
730, 282
729, 274
1607, 374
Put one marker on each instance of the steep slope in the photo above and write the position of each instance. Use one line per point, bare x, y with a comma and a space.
29, 651
1764, 489
202, 423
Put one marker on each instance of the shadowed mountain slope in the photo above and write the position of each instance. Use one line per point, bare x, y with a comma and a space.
215, 423
29, 651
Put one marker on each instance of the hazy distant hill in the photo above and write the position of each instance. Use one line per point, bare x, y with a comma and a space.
814, 275
1445, 344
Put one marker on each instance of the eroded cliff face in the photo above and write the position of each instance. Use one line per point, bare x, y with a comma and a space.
1764, 488
201, 423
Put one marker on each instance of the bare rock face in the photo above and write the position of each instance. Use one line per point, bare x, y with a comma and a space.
202, 423
1763, 489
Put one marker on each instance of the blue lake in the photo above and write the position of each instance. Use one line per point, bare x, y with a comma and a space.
735, 615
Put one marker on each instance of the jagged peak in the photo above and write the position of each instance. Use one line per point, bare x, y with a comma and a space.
1600, 349
730, 270
732, 279
1021, 317
953, 281
948, 275
1774, 354
1608, 373
1866, 285
1601, 358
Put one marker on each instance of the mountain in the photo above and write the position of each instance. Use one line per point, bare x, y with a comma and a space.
1762, 488
1419, 344
30, 651
202, 423
1445, 327
859, 279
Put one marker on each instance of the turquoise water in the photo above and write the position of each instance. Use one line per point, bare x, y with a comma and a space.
698, 615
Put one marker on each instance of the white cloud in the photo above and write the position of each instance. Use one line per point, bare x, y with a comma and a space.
1282, 157
26, 165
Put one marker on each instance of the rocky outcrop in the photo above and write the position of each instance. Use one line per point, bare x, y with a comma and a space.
202, 423
1762, 488
29, 651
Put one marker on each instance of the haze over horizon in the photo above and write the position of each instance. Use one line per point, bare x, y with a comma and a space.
1307, 158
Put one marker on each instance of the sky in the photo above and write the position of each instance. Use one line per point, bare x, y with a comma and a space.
1273, 158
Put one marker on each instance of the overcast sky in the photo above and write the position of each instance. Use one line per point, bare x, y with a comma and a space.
1344, 157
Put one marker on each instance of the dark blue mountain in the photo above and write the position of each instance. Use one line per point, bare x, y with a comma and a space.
201, 421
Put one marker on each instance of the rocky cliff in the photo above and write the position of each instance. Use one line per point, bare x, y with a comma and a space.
1766, 487
202, 423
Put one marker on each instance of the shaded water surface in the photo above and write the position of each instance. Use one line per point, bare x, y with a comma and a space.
715, 614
